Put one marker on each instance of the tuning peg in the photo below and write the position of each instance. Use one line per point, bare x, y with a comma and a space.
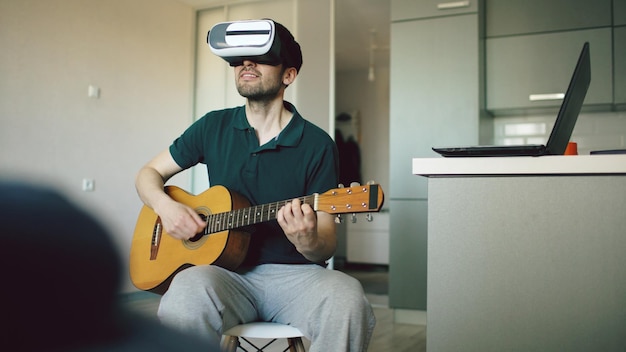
371, 182
338, 219
369, 217
340, 185
354, 184
353, 218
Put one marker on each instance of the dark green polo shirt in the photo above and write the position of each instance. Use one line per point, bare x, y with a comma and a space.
301, 160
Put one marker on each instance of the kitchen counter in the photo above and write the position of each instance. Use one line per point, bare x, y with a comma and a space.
545, 165
526, 254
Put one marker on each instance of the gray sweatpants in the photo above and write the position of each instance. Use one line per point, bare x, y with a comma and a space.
328, 306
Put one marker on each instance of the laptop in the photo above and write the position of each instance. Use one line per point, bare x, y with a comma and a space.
561, 132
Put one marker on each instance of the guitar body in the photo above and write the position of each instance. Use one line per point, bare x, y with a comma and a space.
155, 256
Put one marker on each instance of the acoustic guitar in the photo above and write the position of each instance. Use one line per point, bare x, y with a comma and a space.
155, 256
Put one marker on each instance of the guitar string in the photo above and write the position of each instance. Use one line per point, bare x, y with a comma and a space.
242, 217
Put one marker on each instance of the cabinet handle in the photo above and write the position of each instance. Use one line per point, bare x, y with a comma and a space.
550, 96
452, 5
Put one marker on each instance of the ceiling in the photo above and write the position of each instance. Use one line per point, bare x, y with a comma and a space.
355, 21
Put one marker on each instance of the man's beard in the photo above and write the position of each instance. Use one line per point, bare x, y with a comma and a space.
259, 92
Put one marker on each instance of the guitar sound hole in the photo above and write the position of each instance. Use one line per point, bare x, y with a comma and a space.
198, 236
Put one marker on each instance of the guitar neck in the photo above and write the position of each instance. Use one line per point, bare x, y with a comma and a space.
249, 216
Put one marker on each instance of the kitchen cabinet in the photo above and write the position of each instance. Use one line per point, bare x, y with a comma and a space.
409, 254
522, 70
526, 253
619, 53
434, 85
515, 17
435, 99
368, 241
619, 50
531, 49
619, 12
411, 9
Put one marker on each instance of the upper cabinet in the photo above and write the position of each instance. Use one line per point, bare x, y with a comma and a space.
530, 71
619, 39
532, 47
619, 12
515, 17
412, 9
619, 52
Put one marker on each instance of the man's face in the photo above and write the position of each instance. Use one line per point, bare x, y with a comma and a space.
258, 82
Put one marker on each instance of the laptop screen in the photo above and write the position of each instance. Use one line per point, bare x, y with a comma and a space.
572, 103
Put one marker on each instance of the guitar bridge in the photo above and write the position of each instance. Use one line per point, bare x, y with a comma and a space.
157, 232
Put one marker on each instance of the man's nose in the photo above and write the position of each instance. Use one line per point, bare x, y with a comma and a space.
248, 62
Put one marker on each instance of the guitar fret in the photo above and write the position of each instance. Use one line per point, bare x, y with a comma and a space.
219, 221
240, 218
272, 211
268, 212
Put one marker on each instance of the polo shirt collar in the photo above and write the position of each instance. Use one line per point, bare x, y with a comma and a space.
289, 137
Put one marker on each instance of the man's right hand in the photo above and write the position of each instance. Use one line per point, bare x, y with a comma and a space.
179, 220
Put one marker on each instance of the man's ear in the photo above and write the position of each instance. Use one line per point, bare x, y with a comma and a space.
289, 76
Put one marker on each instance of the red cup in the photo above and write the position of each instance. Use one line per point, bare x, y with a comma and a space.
572, 149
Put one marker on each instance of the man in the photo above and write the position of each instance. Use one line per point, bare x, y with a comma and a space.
267, 152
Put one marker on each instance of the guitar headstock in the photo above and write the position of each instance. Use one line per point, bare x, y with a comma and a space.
354, 199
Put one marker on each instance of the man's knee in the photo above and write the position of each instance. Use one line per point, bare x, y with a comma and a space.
186, 289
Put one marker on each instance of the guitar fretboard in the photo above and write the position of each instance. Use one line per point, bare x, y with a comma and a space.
249, 216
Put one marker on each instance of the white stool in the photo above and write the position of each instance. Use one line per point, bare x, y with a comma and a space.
263, 330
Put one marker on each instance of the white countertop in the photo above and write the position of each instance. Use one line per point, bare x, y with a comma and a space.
543, 165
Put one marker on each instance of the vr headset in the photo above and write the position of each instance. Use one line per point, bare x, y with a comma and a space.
262, 41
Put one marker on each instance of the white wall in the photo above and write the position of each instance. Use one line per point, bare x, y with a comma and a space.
314, 89
139, 53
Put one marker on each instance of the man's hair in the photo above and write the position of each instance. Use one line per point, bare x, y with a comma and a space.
290, 51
